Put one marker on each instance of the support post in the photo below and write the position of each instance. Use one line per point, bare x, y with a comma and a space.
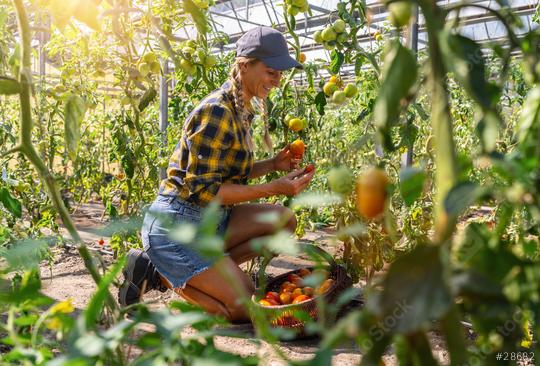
164, 110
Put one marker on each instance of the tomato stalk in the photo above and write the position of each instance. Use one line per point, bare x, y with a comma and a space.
26, 122
441, 121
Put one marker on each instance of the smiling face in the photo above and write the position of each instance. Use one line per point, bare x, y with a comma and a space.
258, 79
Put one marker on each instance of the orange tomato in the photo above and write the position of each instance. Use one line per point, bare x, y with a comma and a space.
308, 290
290, 287
265, 302
304, 272
297, 292
297, 148
284, 284
300, 298
302, 58
324, 287
371, 193
273, 302
285, 298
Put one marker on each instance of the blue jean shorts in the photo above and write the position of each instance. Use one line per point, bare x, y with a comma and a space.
176, 261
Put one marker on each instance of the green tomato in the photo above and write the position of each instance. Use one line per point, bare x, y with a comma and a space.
339, 26
329, 34
201, 4
298, 3
125, 100
144, 69
188, 51
187, 66
329, 46
210, 61
399, 13
339, 97
317, 37
155, 67
340, 180
329, 88
149, 57
350, 90
342, 37
292, 10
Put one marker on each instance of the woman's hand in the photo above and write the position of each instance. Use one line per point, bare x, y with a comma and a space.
293, 183
284, 160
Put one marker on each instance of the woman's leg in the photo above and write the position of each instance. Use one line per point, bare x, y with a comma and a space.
244, 225
217, 290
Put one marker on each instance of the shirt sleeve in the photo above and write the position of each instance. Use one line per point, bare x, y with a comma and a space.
208, 137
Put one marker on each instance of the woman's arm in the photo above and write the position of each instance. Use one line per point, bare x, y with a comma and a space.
262, 167
289, 185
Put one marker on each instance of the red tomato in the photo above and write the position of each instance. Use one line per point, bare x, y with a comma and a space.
309, 168
272, 295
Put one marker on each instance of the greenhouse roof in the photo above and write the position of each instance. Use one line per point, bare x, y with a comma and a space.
234, 17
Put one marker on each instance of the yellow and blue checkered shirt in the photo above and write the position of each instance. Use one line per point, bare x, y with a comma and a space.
212, 151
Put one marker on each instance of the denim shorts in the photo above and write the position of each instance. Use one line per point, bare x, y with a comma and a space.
176, 261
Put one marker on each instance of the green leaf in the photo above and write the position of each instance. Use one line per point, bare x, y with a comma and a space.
530, 114
281, 243
9, 86
90, 345
461, 196
358, 64
75, 108
11, 204
26, 254
488, 130
465, 59
199, 18
316, 199
148, 96
415, 291
320, 102
411, 184
399, 75
95, 306
337, 59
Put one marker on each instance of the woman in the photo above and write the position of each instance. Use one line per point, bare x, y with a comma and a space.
214, 161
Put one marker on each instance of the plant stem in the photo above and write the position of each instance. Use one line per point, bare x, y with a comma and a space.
441, 121
26, 123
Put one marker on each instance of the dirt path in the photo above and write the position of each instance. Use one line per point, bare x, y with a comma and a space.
67, 277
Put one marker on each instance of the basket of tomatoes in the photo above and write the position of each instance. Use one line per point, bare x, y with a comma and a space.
286, 295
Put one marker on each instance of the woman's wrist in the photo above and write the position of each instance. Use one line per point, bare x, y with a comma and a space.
274, 166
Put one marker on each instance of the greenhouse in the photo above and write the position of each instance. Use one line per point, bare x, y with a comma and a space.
256, 182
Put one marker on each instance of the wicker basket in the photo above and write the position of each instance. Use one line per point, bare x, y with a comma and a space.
283, 316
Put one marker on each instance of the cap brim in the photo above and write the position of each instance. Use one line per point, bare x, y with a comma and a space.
281, 63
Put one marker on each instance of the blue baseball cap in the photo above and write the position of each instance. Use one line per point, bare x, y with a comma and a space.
268, 45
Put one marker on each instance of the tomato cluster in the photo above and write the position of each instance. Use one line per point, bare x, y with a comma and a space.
293, 291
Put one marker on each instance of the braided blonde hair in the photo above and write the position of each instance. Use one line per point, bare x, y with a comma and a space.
238, 101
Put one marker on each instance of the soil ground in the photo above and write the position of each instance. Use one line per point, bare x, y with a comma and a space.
67, 277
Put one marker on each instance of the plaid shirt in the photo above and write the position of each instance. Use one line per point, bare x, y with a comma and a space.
211, 151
